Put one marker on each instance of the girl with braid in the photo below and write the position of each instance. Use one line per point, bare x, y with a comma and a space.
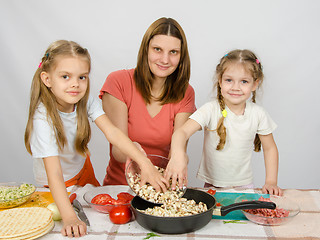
234, 125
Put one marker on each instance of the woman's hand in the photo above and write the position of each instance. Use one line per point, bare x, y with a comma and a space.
177, 170
151, 175
73, 227
272, 189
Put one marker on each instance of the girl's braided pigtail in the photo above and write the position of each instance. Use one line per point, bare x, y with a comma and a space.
221, 129
257, 144
257, 141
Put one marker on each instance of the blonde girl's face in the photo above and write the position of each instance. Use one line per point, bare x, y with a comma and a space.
163, 55
68, 81
237, 84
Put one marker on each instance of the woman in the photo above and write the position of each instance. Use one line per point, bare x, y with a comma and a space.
150, 102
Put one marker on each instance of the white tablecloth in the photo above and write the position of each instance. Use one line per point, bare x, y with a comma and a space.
305, 225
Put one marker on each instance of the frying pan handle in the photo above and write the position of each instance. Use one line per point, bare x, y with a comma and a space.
247, 205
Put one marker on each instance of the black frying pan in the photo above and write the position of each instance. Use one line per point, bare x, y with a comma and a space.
185, 224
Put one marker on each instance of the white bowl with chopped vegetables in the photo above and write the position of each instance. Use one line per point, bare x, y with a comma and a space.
13, 194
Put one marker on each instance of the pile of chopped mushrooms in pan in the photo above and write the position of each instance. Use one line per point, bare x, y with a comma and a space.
172, 203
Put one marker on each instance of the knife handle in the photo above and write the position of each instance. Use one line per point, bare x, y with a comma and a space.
77, 205
72, 197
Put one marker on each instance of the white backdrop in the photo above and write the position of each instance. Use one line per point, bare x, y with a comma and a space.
284, 34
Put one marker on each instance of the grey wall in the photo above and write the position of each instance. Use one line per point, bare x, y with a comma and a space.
284, 34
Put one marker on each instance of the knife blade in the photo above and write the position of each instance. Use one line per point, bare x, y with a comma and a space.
81, 213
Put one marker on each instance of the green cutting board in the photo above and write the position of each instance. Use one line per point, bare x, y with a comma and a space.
227, 198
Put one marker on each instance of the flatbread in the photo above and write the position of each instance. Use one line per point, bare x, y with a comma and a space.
20, 222
35, 234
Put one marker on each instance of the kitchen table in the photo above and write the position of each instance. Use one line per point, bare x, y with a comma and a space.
306, 225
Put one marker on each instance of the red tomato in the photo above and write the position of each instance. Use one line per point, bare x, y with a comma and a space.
119, 202
127, 197
120, 215
211, 191
102, 199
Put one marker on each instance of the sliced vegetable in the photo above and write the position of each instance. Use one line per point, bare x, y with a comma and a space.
102, 199
150, 235
234, 221
211, 191
119, 202
11, 193
125, 196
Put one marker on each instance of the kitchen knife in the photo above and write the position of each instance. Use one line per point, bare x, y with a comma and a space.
81, 213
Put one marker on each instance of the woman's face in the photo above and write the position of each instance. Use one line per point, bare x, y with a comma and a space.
163, 55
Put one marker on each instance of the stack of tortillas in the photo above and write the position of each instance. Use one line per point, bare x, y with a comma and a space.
25, 223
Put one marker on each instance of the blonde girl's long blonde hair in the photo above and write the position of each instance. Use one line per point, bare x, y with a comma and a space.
251, 64
40, 93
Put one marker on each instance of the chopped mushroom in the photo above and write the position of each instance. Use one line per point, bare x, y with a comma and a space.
177, 208
149, 193
172, 203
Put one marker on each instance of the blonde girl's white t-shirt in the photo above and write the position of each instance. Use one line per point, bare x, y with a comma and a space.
230, 166
44, 144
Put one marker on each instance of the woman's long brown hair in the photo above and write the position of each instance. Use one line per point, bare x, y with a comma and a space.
177, 83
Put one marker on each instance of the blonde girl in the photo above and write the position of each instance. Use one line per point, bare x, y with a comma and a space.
233, 126
58, 129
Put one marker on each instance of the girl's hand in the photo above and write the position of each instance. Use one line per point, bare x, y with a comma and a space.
151, 175
74, 228
272, 189
177, 170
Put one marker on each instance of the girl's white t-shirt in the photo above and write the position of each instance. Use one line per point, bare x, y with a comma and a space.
230, 166
43, 141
